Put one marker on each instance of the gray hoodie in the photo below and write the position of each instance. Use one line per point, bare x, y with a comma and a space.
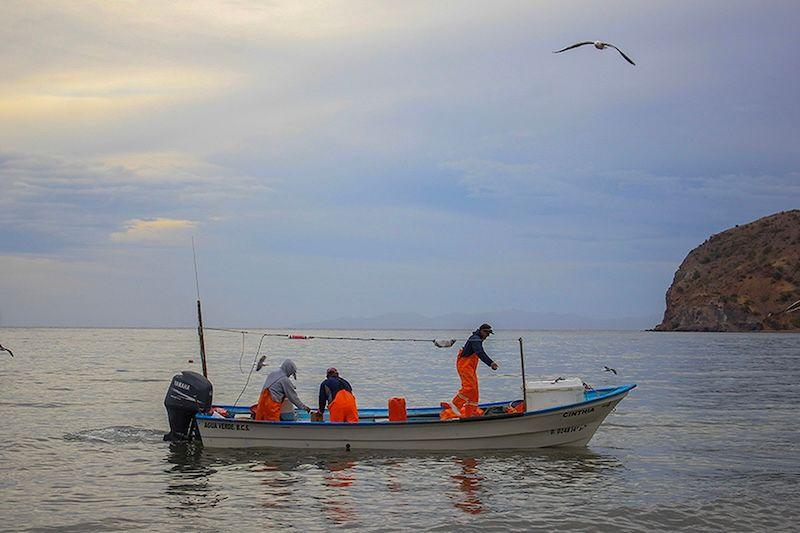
280, 387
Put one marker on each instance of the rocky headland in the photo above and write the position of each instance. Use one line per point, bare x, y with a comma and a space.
742, 279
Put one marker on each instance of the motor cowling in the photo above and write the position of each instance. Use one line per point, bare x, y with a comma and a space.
189, 393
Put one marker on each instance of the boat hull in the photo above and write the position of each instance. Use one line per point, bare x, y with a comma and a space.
572, 425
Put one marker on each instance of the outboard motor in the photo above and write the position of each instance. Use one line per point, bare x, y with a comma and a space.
188, 394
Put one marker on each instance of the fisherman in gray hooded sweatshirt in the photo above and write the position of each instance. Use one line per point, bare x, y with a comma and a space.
277, 388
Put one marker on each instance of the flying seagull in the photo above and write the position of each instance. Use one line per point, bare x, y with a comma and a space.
599, 45
6, 350
609, 369
791, 309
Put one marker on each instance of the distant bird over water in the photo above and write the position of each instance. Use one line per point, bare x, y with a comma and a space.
2, 349
600, 45
609, 369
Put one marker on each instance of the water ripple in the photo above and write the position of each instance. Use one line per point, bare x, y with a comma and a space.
116, 435
708, 441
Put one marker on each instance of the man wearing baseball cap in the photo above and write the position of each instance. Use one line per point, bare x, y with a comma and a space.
466, 400
337, 393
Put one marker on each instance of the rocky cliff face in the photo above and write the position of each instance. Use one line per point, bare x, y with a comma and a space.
742, 279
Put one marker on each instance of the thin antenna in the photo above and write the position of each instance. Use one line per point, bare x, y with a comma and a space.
196, 280
199, 315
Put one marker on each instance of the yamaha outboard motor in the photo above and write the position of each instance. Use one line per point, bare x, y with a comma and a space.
188, 394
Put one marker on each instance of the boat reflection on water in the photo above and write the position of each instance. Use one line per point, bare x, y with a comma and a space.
189, 477
346, 489
480, 481
469, 484
394, 465
337, 478
337, 474
278, 484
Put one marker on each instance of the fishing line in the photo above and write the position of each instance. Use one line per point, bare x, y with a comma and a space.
252, 368
439, 343
244, 331
241, 356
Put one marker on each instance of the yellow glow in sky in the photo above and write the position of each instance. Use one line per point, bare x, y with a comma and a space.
93, 94
157, 231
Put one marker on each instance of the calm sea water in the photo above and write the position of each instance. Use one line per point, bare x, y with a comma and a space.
709, 439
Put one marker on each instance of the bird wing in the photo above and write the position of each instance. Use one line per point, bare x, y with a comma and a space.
628, 59
576, 45
4, 349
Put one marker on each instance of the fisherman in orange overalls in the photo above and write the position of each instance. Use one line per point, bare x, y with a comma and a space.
337, 393
466, 401
278, 388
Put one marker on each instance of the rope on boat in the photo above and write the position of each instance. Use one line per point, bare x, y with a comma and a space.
439, 343
241, 371
245, 332
252, 367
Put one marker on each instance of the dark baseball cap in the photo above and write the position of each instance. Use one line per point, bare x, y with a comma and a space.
487, 327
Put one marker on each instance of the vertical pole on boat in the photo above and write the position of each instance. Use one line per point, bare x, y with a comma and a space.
202, 343
199, 315
522, 365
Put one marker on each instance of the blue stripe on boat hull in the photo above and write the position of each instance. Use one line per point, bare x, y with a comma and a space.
590, 397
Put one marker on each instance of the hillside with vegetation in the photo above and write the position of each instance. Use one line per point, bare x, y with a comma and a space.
742, 279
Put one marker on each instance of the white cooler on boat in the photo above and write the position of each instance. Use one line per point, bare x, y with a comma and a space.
544, 394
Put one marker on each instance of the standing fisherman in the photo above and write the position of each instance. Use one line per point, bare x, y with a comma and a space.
466, 401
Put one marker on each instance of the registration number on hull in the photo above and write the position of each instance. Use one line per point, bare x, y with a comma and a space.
570, 429
226, 425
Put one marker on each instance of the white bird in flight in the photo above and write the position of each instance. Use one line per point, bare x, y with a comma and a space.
792, 308
599, 45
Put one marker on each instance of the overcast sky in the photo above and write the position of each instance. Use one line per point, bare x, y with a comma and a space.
358, 158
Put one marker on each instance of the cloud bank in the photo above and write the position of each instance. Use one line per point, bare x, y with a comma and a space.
356, 159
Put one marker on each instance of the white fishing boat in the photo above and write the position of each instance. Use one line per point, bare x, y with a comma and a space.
565, 425
561, 412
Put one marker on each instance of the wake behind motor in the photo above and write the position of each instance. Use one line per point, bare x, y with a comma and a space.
189, 393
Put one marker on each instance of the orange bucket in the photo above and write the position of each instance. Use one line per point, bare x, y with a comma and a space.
397, 410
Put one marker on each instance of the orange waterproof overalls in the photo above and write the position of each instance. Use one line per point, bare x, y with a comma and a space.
343, 408
466, 401
267, 408
447, 412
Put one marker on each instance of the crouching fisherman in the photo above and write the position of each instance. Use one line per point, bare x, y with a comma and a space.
278, 388
337, 393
